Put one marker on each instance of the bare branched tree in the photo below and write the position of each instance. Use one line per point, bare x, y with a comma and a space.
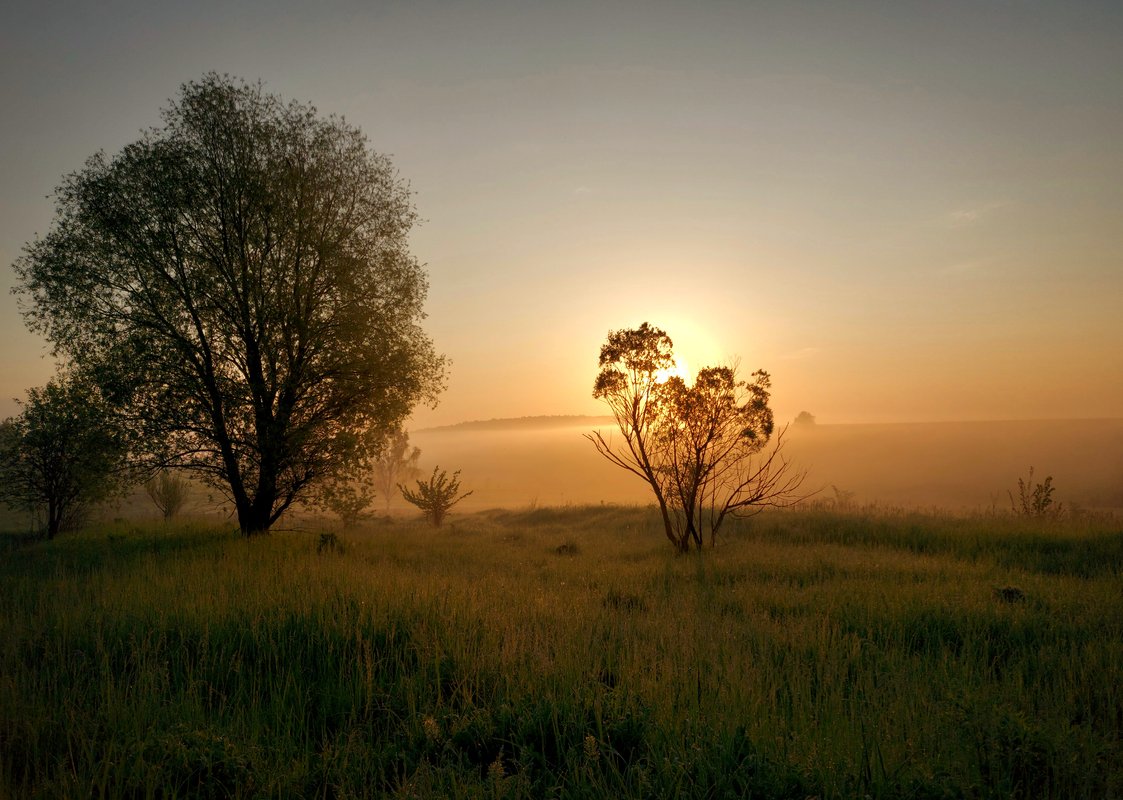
701, 447
168, 491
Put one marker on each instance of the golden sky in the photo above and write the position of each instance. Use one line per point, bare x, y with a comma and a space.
903, 211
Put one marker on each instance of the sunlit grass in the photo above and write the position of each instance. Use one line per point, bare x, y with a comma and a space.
568, 653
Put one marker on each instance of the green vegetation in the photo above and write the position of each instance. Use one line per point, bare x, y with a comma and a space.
436, 496
697, 446
59, 458
239, 286
566, 653
168, 491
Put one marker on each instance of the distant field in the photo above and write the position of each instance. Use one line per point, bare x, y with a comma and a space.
568, 653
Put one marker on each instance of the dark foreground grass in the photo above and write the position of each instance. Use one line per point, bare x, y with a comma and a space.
568, 653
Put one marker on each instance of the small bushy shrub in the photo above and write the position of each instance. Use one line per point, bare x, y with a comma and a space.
168, 491
1035, 500
348, 500
436, 496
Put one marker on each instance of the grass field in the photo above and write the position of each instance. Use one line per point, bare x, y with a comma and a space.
568, 653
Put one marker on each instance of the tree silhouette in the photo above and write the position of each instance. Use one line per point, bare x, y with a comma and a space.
1035, 499
239, 282
396, 463
167, 491
436, 496
629, 361
805, 419
700, 447
61, 455
347, 499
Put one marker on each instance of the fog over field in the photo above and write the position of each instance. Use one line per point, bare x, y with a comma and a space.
960, 466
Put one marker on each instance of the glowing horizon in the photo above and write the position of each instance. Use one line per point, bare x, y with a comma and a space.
900, 215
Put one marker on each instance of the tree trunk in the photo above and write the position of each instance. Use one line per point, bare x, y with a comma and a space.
54, 518
691, 534
253, 519
256, 515
668, 523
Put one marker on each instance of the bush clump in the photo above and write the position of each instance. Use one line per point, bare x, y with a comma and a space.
436, 496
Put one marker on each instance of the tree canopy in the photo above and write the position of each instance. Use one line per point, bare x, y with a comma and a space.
700, 446
436, 496
239, 283
61, 455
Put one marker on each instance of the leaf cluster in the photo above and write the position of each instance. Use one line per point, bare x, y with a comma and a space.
436, 496
695, 444
61, 455
239, 281
347, 499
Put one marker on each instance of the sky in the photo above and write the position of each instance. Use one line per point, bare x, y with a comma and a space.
903, 211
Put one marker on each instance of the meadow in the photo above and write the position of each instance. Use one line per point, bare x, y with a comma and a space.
568, 652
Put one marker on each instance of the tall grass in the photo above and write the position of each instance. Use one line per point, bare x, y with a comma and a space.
568, 653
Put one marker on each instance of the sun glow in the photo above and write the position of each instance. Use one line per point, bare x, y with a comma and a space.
679, 370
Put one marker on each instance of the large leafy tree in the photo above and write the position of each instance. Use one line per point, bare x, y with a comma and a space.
61, 455
700, 446
240, 283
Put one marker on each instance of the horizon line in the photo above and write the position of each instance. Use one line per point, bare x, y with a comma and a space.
531, 418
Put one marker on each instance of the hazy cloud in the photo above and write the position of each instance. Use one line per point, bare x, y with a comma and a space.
803, 352
971, 215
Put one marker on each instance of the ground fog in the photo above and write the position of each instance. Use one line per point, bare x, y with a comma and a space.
968, 466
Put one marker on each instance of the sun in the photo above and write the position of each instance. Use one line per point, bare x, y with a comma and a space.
679, 370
